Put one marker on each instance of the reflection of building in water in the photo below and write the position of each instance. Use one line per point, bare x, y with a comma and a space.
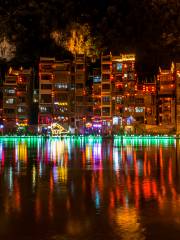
21, 151
128, 223
120, 178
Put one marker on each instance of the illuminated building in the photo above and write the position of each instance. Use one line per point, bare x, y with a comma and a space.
118, 81
96, 94
24, 95
55, 95
46, 76
106, 97
166, 97
145, 103
82, 93
62, 94
16, 100
64, 97
177, 77
123, 89
1, 114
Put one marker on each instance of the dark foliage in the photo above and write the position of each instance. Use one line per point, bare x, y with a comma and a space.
150, 28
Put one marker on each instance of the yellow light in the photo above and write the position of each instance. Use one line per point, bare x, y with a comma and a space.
62, 103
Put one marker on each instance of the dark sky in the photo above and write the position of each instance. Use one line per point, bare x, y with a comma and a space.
150, 28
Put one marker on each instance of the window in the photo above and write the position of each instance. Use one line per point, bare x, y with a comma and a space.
117, 67
119, 78
60, 109
79, 66
105, 86
139, 100
46, 86
61, 86
79, 85
106, 99
44, 120
10, 101
21, 99
9, 91
106, 58
22, 88
131, 76
105, 77
45, 109
105, 111
80, 77
46, 77
106, 67
61, 98
20, 110
9, 111
140, 119
96, 79
119, 100
79, 98
46, 98
139, 109
97, 112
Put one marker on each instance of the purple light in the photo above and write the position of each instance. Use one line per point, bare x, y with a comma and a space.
97, 125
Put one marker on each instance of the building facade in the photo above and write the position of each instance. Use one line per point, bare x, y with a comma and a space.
114, 93
17, 100
166, 92
176, 68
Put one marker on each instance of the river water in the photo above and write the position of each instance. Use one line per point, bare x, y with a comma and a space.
87, 188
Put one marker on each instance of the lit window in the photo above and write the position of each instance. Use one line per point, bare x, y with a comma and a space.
10, 91
61, 85
139, 109
45, 109
10, 101
20, 109
106, 99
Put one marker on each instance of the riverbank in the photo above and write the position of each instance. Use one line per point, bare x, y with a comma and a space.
95, 136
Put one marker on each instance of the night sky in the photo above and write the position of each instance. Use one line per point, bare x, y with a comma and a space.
151, 29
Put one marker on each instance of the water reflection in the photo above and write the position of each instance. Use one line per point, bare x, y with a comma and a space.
70, 187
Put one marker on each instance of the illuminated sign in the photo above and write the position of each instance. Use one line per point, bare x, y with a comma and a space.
57, 129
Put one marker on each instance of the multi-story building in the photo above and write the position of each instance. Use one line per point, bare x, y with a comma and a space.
144, 107
64, 94
63, 104
166, 97
96, 95
176, 70
16, 100
83, 105
106, 90
145, 103
9, 103
46, 95
124, 81
118, 81
24, 98
1, 109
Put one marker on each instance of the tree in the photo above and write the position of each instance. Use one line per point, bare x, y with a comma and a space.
76, 39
